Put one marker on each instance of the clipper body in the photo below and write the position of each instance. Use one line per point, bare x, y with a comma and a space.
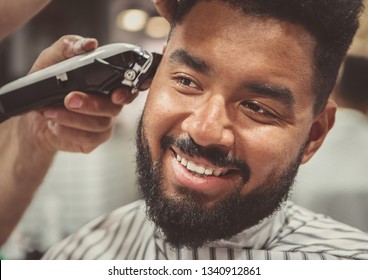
98, 72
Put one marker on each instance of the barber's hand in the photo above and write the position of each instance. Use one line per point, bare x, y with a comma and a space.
87, 120
166, 8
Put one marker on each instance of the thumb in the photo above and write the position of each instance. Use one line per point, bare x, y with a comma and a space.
64, 48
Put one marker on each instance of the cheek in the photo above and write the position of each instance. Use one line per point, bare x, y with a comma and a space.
268, 151
163, 114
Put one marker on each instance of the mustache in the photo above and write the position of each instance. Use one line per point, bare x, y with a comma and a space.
215, 155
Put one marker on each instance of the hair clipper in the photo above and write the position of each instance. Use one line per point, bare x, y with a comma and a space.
98, 72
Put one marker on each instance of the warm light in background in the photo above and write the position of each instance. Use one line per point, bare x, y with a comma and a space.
132, 20
157, 27
135, 20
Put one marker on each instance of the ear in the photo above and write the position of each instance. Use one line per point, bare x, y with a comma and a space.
164, 48
319, 129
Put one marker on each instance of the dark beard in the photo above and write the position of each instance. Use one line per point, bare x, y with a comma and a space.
184, 221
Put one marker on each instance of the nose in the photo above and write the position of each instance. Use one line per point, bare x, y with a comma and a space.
209, 124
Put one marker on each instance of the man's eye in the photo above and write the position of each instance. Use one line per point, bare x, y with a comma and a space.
258, 112
185, 82
255, 108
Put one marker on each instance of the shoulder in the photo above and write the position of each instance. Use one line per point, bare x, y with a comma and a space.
134, 210
309, 232
102, 237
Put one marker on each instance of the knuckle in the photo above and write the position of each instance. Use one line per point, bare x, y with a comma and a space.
69, 38
105, 107
87, 143
87, 149
104, 123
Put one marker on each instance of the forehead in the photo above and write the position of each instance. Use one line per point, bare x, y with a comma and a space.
224, 19
219, 34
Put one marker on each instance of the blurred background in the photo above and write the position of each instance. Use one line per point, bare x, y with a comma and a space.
79, 187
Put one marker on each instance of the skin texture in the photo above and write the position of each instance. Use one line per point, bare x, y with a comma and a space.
13, 14
240, 86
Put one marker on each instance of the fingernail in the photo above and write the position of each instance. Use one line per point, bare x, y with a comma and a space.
74, 102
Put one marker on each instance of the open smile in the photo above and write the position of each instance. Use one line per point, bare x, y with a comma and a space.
201, 176
198, 168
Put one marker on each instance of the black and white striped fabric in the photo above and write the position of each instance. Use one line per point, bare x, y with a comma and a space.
292, 233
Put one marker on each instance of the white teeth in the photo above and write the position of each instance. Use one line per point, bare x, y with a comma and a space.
200, 169
208, 171
196, 168
178, 157
191, 166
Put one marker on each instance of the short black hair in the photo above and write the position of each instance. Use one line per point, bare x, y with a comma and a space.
333, 23
353, 83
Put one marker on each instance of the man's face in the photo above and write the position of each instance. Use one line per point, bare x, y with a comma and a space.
225, 124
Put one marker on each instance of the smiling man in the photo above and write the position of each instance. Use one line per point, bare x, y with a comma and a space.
238, 103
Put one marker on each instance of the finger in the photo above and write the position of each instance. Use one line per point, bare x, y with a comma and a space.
123, 96
64, 48
90, 104
74, 140
166, 8
78, 121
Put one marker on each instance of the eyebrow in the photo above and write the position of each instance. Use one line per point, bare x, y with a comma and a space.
183, 57
282, 94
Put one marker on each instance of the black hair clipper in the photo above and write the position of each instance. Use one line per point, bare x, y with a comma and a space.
98, 72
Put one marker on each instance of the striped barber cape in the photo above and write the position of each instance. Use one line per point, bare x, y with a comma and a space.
293, 233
